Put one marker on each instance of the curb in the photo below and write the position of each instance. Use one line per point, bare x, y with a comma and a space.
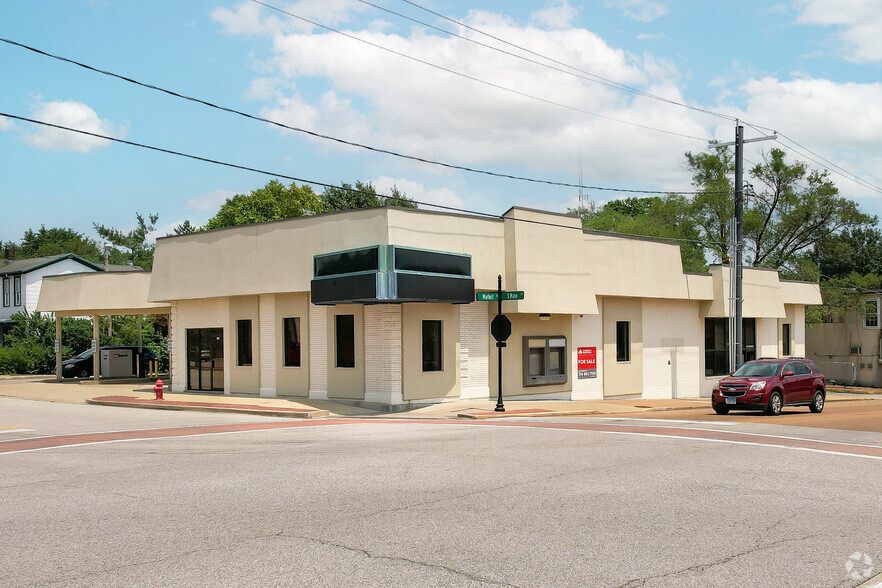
297, 414
546, 413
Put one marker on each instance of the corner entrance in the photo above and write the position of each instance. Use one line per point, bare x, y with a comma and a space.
205, 360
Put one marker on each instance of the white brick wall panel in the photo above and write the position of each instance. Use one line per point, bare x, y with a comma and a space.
474, 332
382, 354
318, 352
267, 313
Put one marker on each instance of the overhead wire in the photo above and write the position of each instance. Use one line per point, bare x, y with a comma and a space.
594, 77
330, 137
824, 163
319, 183
477, 79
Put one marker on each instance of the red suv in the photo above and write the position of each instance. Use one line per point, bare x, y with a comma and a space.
771, 384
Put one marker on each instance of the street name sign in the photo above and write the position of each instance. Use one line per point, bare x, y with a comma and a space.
494, 296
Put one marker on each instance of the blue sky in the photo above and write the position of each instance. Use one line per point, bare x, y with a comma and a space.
807, 68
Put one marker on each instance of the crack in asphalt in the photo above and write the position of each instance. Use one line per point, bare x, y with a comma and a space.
638, 582
370, 555
502, 487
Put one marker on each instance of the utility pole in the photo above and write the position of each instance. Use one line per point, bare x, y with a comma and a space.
736, 340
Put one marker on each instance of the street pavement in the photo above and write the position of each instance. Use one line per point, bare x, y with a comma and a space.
620, 500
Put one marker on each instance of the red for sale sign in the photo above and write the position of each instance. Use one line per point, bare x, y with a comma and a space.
587, 362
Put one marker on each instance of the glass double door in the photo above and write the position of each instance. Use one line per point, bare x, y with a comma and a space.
205, 360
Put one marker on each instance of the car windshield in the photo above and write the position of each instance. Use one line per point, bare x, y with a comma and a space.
85, 354
762, 370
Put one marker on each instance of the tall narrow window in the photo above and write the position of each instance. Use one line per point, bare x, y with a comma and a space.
291, 330
623, 341
16, 289
785, 339
432, 346
871, 314
5, 291
243, 328
345, 331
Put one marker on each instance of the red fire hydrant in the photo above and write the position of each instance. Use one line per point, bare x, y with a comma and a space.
158, 389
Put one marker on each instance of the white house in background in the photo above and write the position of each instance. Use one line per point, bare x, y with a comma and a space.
22, 279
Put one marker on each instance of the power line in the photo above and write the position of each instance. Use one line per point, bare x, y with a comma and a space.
475, 79
326, 137
591, 76
838, 170
318, 183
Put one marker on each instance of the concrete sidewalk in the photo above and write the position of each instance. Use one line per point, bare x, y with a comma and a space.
142, 396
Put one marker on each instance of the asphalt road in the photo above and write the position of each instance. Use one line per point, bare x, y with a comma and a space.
406, 504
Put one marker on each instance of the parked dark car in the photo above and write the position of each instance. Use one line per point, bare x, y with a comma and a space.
81, 365
770, 385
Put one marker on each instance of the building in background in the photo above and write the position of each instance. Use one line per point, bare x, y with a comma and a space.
848, 351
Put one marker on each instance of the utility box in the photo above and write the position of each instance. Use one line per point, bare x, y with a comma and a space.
117, 363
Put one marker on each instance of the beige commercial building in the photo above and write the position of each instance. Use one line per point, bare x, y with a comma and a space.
849, 349
379, 306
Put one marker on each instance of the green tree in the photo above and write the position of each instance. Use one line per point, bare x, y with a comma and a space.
132, 247
275, 201
362, 195
791, 212
57, 241
185, 228
658, 217
854, 251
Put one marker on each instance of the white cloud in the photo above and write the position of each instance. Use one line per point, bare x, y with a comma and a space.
557, 14
5, 124
209, 202
417, 191
73, 114
248, 18
859, 23
373, 98
651, 37
642, 10
840, 121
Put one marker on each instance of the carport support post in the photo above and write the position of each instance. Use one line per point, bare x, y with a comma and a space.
96, 357
57, 348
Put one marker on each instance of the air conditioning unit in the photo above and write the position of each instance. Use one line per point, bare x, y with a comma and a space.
855, 350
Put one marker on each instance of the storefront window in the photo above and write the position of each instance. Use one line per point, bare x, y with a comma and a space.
716, 344
785, 339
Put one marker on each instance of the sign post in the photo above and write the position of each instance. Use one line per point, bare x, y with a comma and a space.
500, 326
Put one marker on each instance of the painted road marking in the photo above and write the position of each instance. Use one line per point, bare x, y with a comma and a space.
710, 435
9, 429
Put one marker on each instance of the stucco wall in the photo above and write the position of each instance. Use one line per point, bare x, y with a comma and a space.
318, 351
622, 378
673, 341
347, 383
292, 380
512, 359
244, 379
420, 385
587, 332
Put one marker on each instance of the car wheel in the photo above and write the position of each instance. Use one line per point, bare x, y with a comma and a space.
83, 373
818, 402
776, 403
721, 410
